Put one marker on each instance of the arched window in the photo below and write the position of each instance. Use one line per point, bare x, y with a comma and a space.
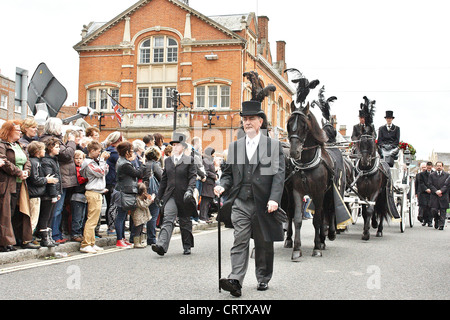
158, 49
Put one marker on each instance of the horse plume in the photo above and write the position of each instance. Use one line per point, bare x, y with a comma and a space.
369, 110
259, 93
303, 85
324, 105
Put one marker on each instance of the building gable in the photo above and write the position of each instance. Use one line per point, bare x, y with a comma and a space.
142, 17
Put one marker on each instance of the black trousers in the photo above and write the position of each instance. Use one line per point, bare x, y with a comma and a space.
45, 214
440, 215
425, 214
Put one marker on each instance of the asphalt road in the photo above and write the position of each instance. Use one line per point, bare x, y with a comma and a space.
398, 266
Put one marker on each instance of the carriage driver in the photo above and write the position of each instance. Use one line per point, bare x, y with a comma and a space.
389, 137
358, 129
254, 175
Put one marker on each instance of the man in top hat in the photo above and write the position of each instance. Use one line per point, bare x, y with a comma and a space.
254, 176
359, 129
389, 138
175, 195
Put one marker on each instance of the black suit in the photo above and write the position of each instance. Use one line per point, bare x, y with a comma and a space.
264, 176
423, 197
175, 181
358, 131
389, 137
439, 205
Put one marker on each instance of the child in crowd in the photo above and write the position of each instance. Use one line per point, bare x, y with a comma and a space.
78, 200
94, 169
37, 182
50, 168
141, 215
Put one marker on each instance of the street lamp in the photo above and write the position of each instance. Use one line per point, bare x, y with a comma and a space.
211, 113
176, 102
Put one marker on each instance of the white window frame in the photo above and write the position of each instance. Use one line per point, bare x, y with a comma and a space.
158, 50
4, 102
164, 97
95, 96
213, 93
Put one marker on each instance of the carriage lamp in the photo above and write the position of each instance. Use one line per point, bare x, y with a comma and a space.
407, 158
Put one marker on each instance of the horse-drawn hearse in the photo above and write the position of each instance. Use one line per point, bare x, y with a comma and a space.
342, 185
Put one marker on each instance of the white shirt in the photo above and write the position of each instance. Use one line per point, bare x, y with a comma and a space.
252, 145
176, 159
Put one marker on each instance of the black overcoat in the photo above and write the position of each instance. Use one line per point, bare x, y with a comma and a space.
422, 185
176, 180
211, 175
436, 183
267, 182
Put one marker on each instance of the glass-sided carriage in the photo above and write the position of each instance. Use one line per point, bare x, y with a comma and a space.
404, 190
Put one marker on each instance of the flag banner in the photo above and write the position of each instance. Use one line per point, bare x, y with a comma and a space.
117, 111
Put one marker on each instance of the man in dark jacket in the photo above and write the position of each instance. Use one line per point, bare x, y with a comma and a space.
439, 183
388, 139
359, 129
176, 191
423, 194
254, 174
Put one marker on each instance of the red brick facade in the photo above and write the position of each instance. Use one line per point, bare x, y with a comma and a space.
204, 58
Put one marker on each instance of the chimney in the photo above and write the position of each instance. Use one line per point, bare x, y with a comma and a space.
263, 34
281, 51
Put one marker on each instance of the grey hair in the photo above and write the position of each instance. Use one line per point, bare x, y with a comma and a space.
53, 126
138, 144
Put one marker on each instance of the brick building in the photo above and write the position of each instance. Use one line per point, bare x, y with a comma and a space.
156, 46
7, 99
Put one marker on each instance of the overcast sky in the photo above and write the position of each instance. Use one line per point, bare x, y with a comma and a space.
396, 52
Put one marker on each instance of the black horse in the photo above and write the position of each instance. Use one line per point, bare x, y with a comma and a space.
310, 174
372, 181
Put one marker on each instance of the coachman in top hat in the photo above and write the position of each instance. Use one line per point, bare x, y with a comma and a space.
254, 176
388, 139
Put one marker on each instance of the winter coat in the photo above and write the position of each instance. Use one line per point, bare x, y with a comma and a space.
8, 174
211, 175
127, 176
50, 166
37, 182
142, 213
112, 160
65, 159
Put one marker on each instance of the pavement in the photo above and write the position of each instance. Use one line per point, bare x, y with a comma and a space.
21, 255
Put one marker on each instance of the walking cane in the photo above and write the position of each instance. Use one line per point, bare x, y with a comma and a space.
219, 241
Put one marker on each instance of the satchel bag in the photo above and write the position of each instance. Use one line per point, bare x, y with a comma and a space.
153, 183
127, 201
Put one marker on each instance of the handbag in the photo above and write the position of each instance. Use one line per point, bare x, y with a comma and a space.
127, 201
153, 183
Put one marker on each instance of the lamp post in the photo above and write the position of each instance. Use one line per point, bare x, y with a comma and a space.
176, 102
211, 113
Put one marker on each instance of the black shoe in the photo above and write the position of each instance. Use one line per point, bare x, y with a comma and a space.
158, 249
187, 251
232, 286
441, 228
11, 248
262, 286
4, 249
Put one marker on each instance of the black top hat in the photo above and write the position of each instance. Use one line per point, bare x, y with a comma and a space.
389, 114
251, 108
179, 138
